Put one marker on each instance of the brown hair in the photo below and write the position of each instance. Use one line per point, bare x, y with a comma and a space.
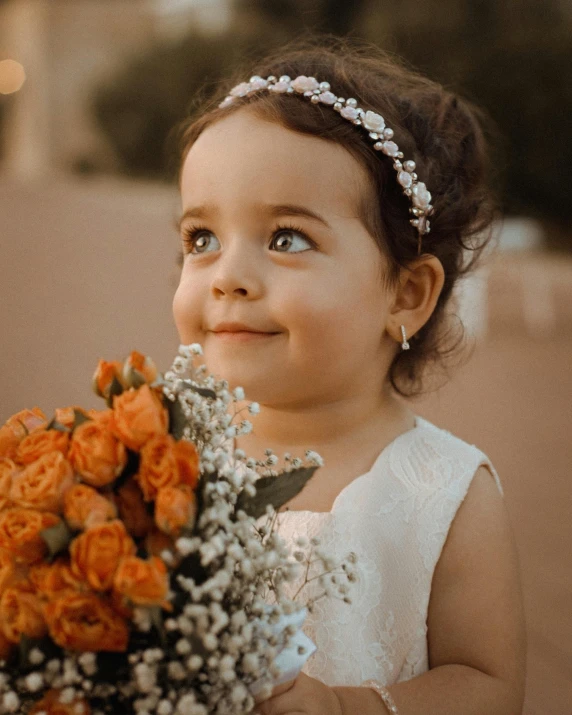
444, 134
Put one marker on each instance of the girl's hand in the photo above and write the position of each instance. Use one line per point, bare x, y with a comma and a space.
303, 696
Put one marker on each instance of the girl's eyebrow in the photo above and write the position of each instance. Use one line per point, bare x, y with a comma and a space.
273, 210
295, 210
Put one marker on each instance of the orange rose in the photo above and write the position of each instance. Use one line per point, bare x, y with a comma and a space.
55, 579
10, 572
96, 454
138, 415
103, 377
96, 553
175, 509
83, 622
41, 442
101, 415
17, 427
5, 646
21, 615
138, 367
166, 462
42, 485
144, 583
85, 507
156, 542
20, 533
132, 509
8, 470
121, 605
7, 570
50, 704
187, 462
66, 415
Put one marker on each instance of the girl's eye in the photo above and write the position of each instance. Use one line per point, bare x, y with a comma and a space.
196, 240
285, 238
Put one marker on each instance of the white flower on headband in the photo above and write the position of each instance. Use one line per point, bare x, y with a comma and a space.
421, 197
304, 84
374, 122
319, 92
241, 90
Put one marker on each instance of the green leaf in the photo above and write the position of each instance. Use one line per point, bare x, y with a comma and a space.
274, 490
204, 391
177, 419
116, 388
26, 430
58, 426
135, 378
79, 418
57, 538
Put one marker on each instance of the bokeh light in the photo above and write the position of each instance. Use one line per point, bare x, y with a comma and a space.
12, 76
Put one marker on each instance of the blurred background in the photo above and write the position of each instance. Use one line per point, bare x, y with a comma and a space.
89, 91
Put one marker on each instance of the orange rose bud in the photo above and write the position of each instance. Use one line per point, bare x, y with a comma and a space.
175, 509
8, 470
138, 367
20, 533
83, 622
144, 583
138, 416
50, 704
42, 442
103, 376
42, 484
55, 580
84, 507
96, 553
96, 454
66, 415
21, 615
132, 509
17, 427
166, 462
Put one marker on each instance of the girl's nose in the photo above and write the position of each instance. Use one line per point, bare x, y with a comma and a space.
237, 275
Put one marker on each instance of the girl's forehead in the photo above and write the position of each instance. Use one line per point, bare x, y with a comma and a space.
243, 158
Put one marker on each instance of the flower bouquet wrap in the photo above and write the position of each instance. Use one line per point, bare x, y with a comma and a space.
140, 567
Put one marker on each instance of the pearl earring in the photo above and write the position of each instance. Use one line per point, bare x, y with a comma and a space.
404, 344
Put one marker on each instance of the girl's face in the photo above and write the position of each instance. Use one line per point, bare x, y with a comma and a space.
272, 241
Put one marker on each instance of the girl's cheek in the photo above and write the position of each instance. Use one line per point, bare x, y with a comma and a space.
184, 312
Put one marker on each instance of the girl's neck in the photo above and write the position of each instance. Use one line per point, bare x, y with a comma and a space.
350, 426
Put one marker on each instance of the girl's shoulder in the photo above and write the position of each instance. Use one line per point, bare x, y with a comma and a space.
436, 451
427, 465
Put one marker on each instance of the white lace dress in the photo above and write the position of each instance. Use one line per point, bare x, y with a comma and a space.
395, 518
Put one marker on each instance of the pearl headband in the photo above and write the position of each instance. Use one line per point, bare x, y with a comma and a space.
319, 92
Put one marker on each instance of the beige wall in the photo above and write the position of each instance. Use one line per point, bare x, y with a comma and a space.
88, 270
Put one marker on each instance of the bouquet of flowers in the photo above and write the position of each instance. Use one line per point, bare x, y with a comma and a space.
140, 567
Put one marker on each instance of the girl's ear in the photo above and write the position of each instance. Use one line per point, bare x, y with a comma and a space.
416, 297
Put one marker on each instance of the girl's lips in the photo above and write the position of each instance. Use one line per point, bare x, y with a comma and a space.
242, 335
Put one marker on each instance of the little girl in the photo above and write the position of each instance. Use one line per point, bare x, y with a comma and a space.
328, 204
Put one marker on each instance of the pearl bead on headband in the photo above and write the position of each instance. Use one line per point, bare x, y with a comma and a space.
382, 135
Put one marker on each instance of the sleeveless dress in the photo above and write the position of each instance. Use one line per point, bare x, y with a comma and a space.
396, 518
